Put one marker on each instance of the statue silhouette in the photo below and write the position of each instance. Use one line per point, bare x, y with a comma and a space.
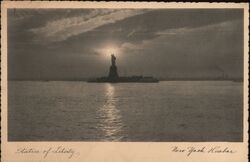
113, 76
113, 69
113, 58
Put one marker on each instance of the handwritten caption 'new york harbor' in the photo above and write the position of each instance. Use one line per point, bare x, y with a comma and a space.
209, 150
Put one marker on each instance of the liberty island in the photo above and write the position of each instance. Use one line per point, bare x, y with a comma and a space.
113, 76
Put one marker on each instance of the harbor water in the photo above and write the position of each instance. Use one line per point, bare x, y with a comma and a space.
171, 111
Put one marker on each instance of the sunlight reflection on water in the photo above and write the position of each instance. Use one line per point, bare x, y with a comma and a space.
110, 123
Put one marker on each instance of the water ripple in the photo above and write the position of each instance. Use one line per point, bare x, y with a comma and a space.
109, 116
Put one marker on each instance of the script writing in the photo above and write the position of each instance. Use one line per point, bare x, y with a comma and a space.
209, 150
59, 150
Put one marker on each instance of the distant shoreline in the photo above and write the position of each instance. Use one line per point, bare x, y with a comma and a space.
85, 80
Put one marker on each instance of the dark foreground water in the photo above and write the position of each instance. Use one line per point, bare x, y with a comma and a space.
165, 111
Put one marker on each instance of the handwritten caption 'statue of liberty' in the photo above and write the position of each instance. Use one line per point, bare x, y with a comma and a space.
59, 150
209, 150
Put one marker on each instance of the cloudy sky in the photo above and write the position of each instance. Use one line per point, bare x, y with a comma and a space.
77, 43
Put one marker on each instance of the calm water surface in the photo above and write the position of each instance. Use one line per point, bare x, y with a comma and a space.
165, 111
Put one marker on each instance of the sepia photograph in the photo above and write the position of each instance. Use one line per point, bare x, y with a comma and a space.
125, 75
124, 81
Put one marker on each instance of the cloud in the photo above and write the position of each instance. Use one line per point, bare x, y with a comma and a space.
227, 26
131, 33
64, 28
165, 36
193, 51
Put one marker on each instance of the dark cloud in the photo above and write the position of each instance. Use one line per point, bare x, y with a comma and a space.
70, 43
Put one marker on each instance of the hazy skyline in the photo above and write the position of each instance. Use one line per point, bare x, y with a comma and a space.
77, 43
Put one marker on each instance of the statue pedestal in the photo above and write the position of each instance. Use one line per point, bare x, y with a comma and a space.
113, 72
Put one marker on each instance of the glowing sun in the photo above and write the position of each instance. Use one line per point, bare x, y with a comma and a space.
106, 52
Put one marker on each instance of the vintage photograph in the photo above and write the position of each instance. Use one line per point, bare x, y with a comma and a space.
125, 75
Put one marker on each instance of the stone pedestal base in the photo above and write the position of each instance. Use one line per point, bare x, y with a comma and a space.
113, 72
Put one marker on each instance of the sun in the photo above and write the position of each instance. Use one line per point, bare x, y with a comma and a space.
107, 51
111, 50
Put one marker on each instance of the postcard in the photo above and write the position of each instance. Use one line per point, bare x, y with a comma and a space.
124, 82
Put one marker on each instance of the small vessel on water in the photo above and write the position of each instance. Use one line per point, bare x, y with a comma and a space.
113, 76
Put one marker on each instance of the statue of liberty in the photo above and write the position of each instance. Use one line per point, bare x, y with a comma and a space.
113, 69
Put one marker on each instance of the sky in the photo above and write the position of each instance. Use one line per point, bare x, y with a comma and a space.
77, 43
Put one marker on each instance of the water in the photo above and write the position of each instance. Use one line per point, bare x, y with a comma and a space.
165, 111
